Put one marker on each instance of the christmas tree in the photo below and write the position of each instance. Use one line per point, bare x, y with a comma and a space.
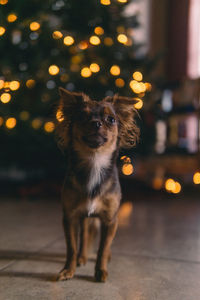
83, 46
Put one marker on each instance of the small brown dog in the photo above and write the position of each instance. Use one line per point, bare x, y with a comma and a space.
91, 133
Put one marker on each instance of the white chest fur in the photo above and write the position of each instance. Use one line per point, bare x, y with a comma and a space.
99, 162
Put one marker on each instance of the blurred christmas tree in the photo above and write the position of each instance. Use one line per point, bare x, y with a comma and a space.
83, 46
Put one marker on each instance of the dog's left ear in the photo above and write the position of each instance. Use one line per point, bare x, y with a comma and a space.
126, 113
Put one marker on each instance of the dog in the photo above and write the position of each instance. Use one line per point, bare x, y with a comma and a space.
90, 133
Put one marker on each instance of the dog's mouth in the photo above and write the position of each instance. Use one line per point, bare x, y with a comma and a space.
95, 140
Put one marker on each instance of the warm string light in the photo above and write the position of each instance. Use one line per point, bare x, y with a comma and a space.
137, 76
127, 169
59, 115
83, 45
36, 123
5, 97
1, 121
99, 30
95, 40
57, 35
34, 26
54, 70
108, 41
2, 30
105, 2
68, 40
86, 72
115, 70
14, 85
172, 186
49, 126
11, 18
11, 123
3, 2
30, 83
122, 38
94, 67
119, 82
196, 178
139, 104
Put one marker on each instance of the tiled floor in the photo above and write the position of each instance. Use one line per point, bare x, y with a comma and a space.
156, 253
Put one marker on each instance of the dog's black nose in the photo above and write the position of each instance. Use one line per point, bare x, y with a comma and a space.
96, 124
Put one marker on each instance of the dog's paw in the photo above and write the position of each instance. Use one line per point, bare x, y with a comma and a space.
82, 260
65, 274
101, 275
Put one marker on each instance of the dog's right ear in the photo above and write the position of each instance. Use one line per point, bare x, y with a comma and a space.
65, 113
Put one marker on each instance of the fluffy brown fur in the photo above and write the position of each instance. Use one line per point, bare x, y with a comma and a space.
90, 133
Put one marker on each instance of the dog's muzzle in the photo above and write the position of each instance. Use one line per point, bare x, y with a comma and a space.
94, 141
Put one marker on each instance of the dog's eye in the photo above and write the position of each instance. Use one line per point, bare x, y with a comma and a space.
110, 119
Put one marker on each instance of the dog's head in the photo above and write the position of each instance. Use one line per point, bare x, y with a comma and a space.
93, 126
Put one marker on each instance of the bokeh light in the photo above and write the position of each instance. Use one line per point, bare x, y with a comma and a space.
127, 169
14, 85
2, 30
157, 183
36, 123
177, 188
34, 26
94, 67
196, 178
83, 45
86, 72
115, 70
137, 76
49, 126
95, 40
99, 30
5, 97
122, 38
57, 35
108, 41
53, 70
125, 159
139, 104
68, 40
30, 83
11, 18
119, 82
11, 123
122, 1
1, 83
59, 115
3, 2
105, 2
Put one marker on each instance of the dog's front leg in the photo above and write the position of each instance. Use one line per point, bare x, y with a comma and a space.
82, 257
70, 229
107, 234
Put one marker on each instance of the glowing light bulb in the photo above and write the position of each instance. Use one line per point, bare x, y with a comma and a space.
86, 72
94, 68
11, 123
83, 45
170, 185
99, 30
5, 97
59, 115
139, 104
115, 70
1, 83
122, 1
57, 35
34, 26
127, 169
95, 40
53, 70
137, 76
3, 2
119, 82
49, 126
14, 85
11, 18
30, 83
68, 40
196, 178
2, 30
177, 188
148, 86
105, 2
122, 38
